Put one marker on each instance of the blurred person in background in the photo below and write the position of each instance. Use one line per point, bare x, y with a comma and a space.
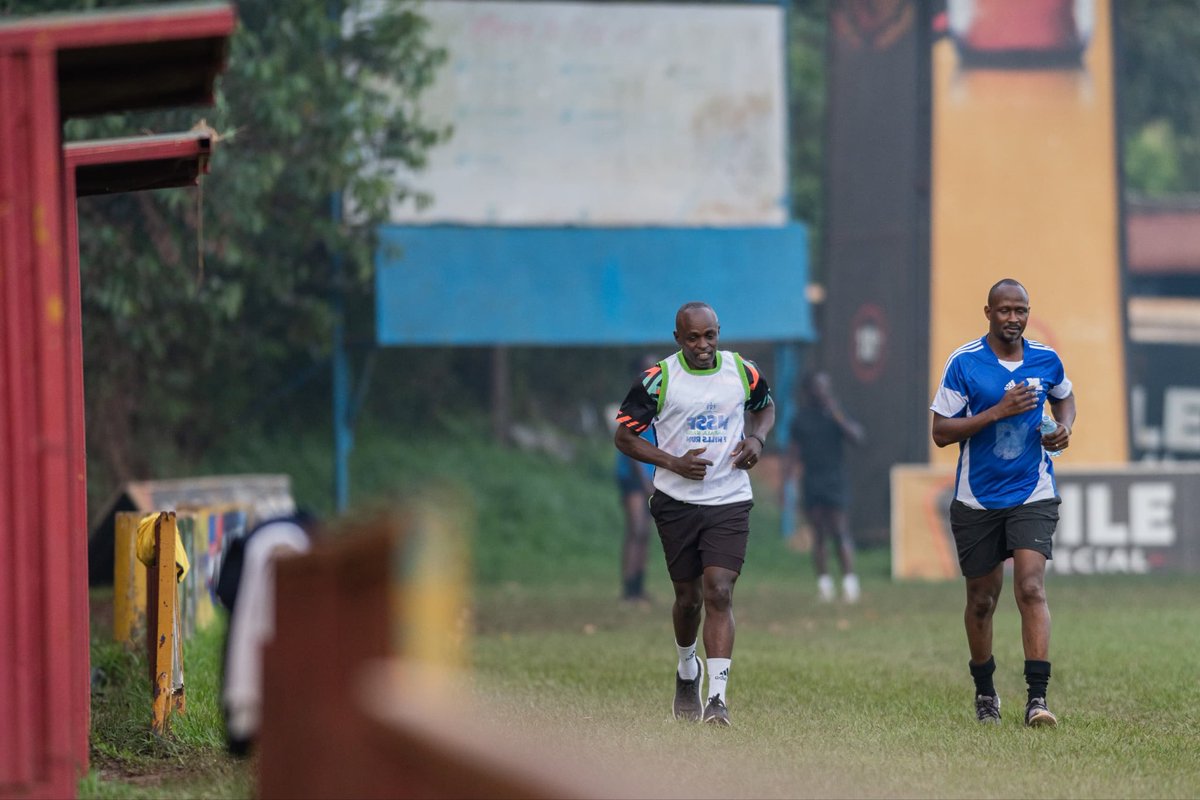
246, 588
1005, 502
816, 455
635, 483
711, 412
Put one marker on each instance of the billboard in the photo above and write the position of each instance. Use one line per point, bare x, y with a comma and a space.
608, 160
1164, 399
1135, 519
606, 114
585, 286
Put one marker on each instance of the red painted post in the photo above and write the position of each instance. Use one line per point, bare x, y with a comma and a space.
81, 711
21, 724
50, 69
191, 148
58, 694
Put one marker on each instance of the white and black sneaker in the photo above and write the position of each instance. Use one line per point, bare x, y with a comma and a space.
715, 713
1038, 716
987, 709
687, 695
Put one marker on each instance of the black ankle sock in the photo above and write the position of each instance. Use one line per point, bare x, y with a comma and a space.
982, 673
634, 583
1037, 675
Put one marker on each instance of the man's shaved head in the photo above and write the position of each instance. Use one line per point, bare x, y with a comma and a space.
694, 305
1004, 283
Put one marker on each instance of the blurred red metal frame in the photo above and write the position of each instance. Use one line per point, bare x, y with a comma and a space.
53, 68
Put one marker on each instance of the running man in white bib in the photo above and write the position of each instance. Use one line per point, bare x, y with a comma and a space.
711, 411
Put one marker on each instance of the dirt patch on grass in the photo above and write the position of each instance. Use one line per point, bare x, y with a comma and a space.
207, 775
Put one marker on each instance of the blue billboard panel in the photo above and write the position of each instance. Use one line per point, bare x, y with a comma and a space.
586, 286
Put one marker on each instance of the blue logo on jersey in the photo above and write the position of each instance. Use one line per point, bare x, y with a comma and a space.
707, 428
708, 422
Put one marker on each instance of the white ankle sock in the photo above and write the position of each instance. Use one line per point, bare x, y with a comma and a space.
718, 676
687, 661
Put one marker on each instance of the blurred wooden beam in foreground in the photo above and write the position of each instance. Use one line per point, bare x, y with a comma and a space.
344, 717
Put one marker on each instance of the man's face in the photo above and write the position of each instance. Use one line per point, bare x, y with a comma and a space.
1008, 313
696, 333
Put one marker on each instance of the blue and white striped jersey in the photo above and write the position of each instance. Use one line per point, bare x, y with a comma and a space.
1003, 465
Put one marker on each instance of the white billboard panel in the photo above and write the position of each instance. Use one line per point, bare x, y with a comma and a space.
606, 114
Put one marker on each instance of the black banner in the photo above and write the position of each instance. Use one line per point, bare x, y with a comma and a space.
1164, 401
875, 324
1128, 521
1135, 519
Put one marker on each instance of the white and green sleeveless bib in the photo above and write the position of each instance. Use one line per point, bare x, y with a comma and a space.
703, 408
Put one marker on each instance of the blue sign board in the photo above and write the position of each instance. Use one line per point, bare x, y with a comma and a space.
451, 285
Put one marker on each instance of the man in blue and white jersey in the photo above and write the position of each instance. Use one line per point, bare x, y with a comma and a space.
1005, 505
711, 411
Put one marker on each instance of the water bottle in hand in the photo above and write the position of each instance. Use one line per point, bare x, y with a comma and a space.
1049, 426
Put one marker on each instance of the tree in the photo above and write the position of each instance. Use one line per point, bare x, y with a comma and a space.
201, 305
1158, 78
808, 23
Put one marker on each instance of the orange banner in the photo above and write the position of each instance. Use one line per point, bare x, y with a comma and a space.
922, 545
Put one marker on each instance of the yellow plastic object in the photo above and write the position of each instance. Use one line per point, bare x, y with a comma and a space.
145, 547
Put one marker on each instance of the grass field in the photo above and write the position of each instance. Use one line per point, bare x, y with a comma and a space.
131, 763
872, 700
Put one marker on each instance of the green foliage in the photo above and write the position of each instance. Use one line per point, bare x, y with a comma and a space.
540, 518
1158, 79
1152, 159
198, 303
807, 21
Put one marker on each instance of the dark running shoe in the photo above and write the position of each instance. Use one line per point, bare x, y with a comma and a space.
715, 713
987, 709
687, 695
1038, 716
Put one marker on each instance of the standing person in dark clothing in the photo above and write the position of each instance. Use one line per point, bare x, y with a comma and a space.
990, 402
711, 410
816, 450
635, 482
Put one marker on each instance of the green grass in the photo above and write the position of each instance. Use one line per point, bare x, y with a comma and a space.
870, 700
128, 761
828, 700
538, 518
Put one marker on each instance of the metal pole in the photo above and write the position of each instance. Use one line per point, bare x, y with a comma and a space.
788, 363
343, 433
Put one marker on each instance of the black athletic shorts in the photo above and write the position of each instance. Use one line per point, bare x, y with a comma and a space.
986, 537
694, 537
826, 490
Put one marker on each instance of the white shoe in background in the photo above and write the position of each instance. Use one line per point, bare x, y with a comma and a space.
850, 589
825, 590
